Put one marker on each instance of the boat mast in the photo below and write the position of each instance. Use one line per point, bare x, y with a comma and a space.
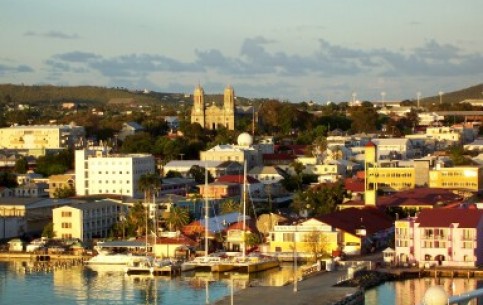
206, 210
244, 207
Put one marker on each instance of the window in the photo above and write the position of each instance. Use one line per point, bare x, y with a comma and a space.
66, 214
66, 225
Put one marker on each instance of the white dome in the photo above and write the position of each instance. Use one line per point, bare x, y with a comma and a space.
245, 139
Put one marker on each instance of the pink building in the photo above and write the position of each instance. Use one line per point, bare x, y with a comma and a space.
445, 237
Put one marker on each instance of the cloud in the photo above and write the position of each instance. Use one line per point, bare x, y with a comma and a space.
52, 34
5, 69
77, 56
262, 68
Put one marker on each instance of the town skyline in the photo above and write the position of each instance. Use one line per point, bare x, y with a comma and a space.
319, 51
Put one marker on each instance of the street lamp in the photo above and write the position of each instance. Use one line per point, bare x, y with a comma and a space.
440, 97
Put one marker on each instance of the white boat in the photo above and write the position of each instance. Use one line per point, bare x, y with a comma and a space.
115, 262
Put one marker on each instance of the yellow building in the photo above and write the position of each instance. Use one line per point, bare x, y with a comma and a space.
213, 116
38, 138
461, 177
57, 182
303, 238
392, 178
88, 220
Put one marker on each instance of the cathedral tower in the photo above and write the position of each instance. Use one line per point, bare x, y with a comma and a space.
198, 111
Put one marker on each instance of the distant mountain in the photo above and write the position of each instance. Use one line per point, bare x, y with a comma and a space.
474, 92
82, 94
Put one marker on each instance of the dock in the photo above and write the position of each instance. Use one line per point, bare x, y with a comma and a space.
317, 289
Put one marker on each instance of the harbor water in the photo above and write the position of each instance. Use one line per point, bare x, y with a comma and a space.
411, 292
81, 286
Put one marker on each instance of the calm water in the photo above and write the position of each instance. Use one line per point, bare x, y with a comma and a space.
411, 292
83, 286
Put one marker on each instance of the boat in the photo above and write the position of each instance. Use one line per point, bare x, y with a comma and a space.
114, 261
256, 262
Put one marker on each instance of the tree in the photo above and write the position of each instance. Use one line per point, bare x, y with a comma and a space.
8, 180
229, 206
21, 165
48, 230
319, 201
148, 183
178, 218
136, 220
198, 173
317, 244
55, 164
173, 174
64, 192
363, 119
139, 143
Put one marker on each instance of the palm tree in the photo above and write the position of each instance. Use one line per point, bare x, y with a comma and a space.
148, 183
230, 206
178, 218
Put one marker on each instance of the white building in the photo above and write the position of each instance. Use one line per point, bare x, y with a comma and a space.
244, 151
86, 220
98, 172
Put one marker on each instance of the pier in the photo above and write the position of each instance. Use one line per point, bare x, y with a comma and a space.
316, 289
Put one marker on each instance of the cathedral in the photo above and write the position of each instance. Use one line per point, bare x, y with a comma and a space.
214, 116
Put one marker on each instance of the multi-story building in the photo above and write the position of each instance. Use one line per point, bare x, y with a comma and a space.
242, 152
213, 116
460, 177
87, 220
98, 172
38, 139
447, 237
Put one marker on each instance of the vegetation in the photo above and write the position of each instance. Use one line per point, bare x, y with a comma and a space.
178, 218
48, 230
8, 179
54, 164
317, 244
319, 201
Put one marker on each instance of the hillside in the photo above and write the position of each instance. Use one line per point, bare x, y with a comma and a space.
474, 92
83, 94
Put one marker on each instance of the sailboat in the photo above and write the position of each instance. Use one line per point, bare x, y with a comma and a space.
254, 262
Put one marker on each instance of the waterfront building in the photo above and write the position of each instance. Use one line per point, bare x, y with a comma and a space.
393, 148
176, 186
476, 145
36, 190
40, 139
87, 220
244, 151
213, 116
97, 172
445, 237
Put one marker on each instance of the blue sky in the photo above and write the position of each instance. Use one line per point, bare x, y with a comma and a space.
316, 50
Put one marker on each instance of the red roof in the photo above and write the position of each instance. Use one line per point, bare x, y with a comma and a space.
250, 225
444, 218
419, 196
354, 185
237, 179
370, 144
352, 219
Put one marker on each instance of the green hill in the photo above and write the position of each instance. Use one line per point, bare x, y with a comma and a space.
82, 94
474, 92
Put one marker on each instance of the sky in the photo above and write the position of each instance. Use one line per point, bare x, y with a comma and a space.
318, 50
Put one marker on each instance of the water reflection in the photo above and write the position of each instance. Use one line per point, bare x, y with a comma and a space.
411, 292
82, 286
